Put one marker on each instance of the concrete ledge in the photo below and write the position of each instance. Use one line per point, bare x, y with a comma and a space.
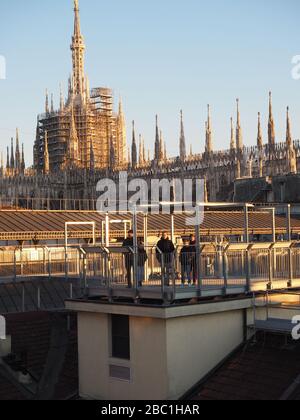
160, 312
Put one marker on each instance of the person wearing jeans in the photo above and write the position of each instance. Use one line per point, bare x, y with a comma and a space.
142, 258
185, 262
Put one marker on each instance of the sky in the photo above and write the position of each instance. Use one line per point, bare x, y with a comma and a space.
160, 57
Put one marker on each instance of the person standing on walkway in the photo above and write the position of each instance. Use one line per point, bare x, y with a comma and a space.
165, 256
128, 243
185, 263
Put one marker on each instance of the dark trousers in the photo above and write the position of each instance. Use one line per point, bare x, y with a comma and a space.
129, 274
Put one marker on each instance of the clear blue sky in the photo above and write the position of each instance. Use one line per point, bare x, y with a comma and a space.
160, 56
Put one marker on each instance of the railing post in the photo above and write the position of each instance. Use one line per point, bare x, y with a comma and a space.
163, 275
85, 273
273, 225
66, 264
269, 285
49, 263
288, 222
38, 298
173, 228
246, 222
15, 266
107, 230
291, 268
135, 251
248, 269
198, 252
225, 270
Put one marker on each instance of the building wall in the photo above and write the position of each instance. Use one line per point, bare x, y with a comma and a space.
168, 356
196, 345
148, 359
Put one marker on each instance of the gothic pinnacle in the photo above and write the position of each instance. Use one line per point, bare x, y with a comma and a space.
239, 135
259, 133
271, 124
232, 137
182, 138
289, 140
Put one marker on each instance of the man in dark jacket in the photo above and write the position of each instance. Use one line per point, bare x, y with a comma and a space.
193, 259
165, 256
185, 263
128, 243
141, 261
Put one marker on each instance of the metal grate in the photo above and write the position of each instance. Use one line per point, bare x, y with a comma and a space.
120, 372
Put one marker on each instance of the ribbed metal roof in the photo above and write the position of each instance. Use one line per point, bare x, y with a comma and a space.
43, 225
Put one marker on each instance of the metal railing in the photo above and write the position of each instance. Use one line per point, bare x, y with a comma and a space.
212, 267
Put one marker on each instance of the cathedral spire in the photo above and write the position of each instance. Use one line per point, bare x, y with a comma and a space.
12, 155
47, 102
7, 160
23, 166
18, 155
182, 138
232, 137
259, 134
144, 152
289, 140
271, 124
133, 147
46, 155
208, 142
239, 135
122, 135
157, 142
77, 48
52, 103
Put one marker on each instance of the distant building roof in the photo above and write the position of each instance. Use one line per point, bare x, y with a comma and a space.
50, 225
267, 370
44, 345
52, 294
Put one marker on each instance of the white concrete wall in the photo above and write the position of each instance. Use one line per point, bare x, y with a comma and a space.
168, 356
196, 345
148, 359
